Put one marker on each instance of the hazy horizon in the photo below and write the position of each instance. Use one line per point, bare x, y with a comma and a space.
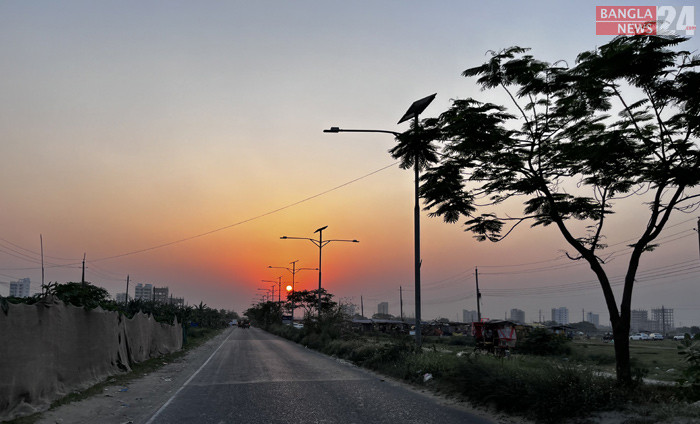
177, 142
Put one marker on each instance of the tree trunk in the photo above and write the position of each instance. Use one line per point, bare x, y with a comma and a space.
621, 329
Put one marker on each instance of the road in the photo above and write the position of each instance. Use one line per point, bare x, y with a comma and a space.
255, 377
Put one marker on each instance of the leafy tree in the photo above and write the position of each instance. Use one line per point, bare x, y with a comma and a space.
265, 314
570, 159
383, 316
79, 294
585, 327
308, 300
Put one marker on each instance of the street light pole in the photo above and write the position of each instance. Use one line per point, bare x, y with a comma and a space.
279, 289
320, 243
294, 271
320, 250
413, 112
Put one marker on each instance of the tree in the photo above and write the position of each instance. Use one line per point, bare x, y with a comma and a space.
570, 159
584, 326
265, 314
79, 294
383, 316
308, 300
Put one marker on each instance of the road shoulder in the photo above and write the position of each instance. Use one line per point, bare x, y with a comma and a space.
141, 398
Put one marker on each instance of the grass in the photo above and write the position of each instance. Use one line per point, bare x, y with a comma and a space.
656, 360
195, 338
548, 389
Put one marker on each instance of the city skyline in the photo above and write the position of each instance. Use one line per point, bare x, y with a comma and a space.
176, 144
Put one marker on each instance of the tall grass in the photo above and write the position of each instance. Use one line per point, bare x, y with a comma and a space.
542, 389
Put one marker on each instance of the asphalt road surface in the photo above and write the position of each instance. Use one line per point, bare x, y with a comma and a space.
255, 377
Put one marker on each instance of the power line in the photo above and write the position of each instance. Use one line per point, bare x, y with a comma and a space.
245, 220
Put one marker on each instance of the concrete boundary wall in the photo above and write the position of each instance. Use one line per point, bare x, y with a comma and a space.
50, 349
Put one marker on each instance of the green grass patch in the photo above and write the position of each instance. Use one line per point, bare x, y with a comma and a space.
656, 360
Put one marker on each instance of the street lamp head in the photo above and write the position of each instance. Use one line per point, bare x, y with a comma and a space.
283, 237
356, 241
332, 130
321, 229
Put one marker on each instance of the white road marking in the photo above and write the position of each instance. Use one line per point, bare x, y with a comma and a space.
165, 405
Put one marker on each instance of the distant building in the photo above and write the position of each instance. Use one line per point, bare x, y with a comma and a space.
143, 292
161, 294
639, 320
469, 316
20, 288
560, 315
121, 297
593, 318
517, 315
383, 308
177, 301
662, 320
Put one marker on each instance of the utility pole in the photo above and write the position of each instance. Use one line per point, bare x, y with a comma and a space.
41, 242
83, 278
698, 230
478, 295
401, 301
126, 301
362, 307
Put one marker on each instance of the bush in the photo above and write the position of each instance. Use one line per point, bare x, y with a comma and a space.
548, 394
543, 343
690, 350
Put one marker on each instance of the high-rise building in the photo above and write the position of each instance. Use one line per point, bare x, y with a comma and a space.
593, 318
143, 291
469, 316
517, 315
560, 315
161, 294
383, 308
20, 288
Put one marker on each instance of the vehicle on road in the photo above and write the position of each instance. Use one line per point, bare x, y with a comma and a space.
639, 336
243, 323
679, 337
656, 336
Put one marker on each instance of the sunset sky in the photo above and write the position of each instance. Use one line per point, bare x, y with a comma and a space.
175, 142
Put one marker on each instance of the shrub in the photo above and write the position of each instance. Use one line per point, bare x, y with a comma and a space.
542, 342
548, 394
690, 350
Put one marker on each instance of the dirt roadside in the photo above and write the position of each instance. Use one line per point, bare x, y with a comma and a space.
141, 398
